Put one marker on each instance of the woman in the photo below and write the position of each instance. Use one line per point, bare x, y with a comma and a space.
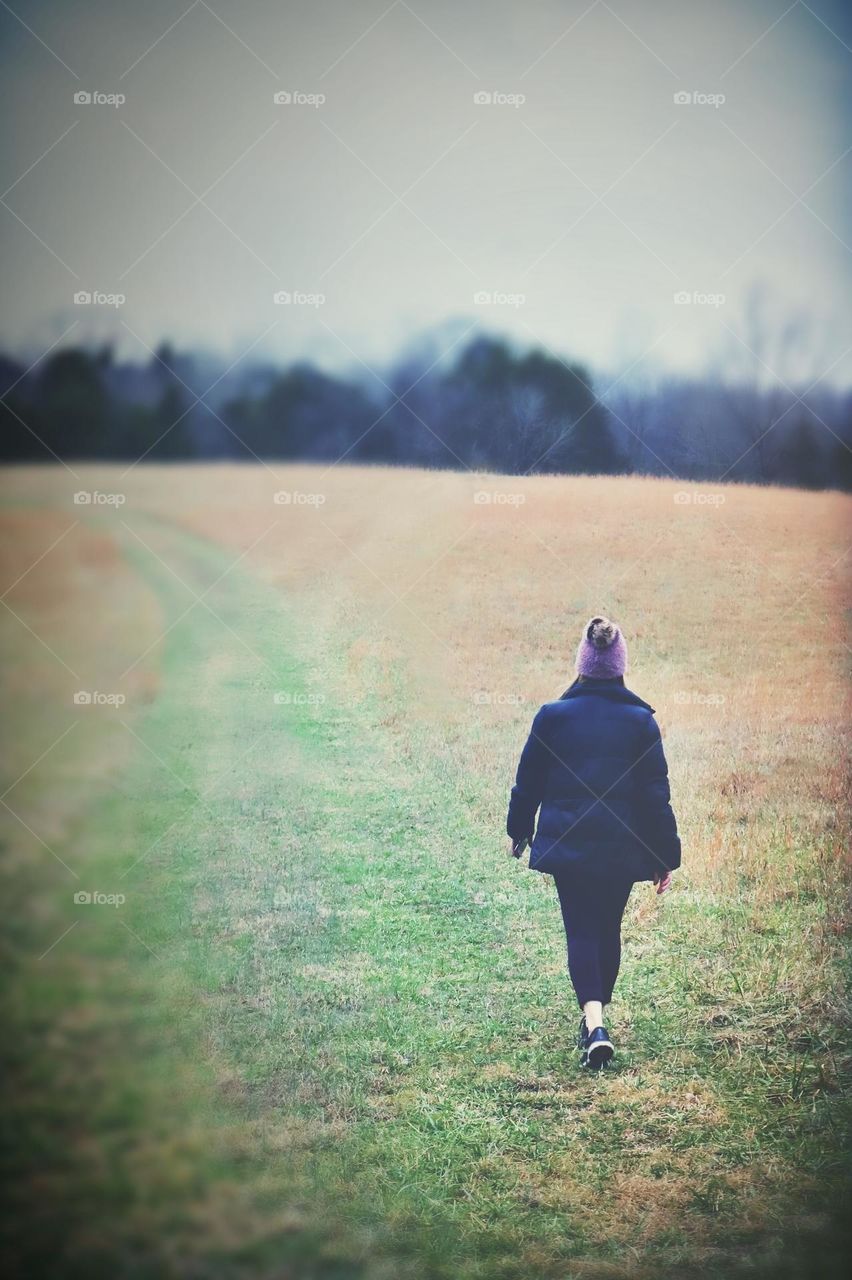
594, 762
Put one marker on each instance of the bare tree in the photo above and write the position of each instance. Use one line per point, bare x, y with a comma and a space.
765, 356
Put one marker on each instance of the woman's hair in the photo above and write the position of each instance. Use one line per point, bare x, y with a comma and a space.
601, 632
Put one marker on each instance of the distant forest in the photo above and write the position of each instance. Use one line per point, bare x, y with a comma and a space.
489, 407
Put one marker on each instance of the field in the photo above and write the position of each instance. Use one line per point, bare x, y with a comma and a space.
313, 1022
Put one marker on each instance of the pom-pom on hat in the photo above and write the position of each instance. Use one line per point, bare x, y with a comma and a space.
602, 653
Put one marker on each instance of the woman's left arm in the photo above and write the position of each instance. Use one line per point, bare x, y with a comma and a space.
653, 773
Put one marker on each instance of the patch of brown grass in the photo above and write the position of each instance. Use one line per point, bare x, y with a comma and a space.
77, 616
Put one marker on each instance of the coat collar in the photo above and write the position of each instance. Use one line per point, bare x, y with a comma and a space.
610, 689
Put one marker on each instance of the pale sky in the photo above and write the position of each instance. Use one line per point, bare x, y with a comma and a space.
585, 206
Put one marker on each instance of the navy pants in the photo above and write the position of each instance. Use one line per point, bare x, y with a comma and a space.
592, 910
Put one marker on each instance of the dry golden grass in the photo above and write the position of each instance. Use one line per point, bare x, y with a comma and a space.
444, 623
735, 614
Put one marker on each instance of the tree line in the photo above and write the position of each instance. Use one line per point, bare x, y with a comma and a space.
488, 407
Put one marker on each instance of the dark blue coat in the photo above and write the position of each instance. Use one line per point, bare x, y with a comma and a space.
594, 762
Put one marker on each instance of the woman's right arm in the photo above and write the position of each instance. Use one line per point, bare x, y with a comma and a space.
528, 791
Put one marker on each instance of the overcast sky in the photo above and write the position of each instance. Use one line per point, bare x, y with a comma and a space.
585, 197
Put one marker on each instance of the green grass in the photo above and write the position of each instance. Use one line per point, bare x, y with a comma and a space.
330, 1033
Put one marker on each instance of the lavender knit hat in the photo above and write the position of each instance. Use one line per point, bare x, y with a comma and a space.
602, 653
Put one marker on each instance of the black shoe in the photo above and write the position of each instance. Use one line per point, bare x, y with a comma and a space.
582, 1033
598, 1049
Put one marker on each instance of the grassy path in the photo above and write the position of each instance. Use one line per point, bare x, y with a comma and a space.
329, 1033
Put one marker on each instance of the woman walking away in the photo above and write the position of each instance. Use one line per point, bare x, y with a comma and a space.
594, 762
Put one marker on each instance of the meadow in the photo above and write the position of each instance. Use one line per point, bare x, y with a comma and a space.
308, 1019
